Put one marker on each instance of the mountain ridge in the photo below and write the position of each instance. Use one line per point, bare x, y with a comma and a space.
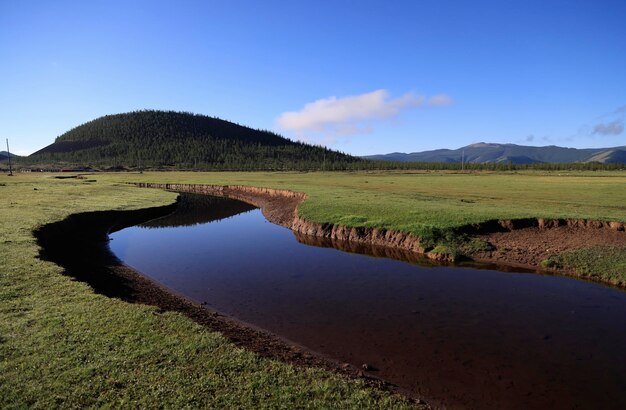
5, 155
483, 152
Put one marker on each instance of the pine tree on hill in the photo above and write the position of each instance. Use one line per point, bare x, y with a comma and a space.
183, 140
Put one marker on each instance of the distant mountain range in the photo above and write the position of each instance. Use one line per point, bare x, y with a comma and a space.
5, 155
510, 153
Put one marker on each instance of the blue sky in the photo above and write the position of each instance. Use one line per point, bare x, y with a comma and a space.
363, 77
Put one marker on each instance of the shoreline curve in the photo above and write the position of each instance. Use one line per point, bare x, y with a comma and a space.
79, 244
518, 243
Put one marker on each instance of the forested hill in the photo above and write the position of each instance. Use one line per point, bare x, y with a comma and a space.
183, 140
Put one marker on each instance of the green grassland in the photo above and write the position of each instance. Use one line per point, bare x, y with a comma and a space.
432, 204
415, 202
61, 344
602, 263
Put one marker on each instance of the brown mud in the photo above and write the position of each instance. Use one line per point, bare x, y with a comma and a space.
530, 246
522, 243
79, 244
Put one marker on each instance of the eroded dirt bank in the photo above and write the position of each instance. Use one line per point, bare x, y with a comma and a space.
280, 207
530, 246
517, 243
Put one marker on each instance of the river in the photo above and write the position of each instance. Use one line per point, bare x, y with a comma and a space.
459, 337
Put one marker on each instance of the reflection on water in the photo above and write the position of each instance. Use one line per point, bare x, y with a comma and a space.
460, 337
196, 209
396, 253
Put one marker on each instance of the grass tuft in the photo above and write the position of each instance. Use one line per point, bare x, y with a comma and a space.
605, 263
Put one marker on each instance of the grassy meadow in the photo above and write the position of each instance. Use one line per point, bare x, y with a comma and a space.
417, 201
63, 345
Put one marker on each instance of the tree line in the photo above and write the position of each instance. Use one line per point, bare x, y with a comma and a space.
179, 140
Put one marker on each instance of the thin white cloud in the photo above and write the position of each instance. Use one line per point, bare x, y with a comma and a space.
351, 129
610, 128
347, 110
440, 100
333, 117
621, 110
606, 126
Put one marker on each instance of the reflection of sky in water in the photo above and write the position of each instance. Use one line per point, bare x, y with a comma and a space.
421, 326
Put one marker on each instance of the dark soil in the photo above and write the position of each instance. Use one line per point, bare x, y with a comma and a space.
528, 247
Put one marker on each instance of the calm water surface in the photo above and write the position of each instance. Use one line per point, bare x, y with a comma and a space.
459, 337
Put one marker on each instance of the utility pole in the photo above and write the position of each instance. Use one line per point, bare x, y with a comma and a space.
324, 163
9, 156
463, 161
